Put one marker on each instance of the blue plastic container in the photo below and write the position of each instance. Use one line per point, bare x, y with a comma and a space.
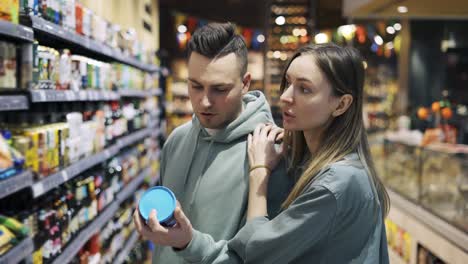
163, 201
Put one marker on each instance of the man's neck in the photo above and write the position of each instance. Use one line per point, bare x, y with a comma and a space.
212, 131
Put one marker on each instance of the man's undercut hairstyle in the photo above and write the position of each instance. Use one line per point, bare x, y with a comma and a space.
216, 40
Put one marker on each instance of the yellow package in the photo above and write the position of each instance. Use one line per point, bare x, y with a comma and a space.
9, 10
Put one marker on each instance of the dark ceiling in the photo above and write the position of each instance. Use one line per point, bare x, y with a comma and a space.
249, 13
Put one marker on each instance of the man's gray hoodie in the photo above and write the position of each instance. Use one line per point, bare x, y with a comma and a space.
209, 174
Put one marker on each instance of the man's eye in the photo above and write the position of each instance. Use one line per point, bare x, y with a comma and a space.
197, 87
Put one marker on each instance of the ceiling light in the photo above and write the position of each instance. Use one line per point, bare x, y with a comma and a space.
280, 20
397, 26
296, 32
261, 38
402, 9
378, 40
390, 30
182, 29
276, 54
321, 38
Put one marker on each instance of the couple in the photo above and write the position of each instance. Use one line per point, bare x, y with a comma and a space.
315, 199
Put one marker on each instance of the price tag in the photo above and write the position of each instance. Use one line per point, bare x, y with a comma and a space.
83, 95
52, 181
38, 189
60, 96
49, 27
65, 175
43, 96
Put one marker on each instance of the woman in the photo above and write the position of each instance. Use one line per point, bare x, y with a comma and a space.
335, 211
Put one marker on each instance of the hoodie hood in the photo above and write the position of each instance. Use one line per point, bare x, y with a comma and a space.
256, 110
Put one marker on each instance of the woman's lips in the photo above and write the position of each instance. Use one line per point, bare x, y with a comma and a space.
288, 114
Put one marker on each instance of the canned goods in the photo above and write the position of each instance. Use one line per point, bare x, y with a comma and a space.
163, 201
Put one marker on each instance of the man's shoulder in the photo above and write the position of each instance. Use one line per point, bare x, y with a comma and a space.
180, 131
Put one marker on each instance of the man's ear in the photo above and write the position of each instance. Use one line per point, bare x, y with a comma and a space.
345, 102
246, 82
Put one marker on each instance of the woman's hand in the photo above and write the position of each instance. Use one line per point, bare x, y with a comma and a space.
262, 152
261, 146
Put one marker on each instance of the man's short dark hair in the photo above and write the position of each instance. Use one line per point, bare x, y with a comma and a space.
216, 40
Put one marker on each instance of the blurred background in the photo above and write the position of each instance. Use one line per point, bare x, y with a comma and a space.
90, 90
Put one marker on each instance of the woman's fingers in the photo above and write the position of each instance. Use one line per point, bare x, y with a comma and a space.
265, 131
273, 135
256, 133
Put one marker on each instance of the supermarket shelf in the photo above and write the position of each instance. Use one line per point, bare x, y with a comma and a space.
132, 186
13, 102
49, 30
17, 32
133, 93
134, 137
40, 96
443, 228
156, 92
54, 180
140, 93
155, 133
97, 224
127, 248
15, 183
23, 250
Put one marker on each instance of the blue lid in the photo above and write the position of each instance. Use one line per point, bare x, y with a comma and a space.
160, 198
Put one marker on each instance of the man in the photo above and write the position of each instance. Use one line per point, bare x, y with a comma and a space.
204, 162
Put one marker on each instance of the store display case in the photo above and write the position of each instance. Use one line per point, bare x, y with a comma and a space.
402, 168
428, 190
435, 177
444, 183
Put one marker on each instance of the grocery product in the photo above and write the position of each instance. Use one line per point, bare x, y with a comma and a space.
9, 10
162, 200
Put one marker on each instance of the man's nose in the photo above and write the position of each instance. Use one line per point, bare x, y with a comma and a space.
206, 102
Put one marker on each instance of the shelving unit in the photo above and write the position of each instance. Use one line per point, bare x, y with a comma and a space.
50, 182
443, 239
46, 31
15, 32
127, 248
43, 96
133, 185
98, 223
23, 98
72, 249
25, 179
279, 51
15, 183
13, 102
21, 251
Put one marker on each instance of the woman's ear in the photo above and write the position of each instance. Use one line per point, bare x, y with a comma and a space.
345, 102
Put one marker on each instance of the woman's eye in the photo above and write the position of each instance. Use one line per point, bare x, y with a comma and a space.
305, 90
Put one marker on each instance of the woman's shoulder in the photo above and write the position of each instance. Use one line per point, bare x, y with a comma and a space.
347, 180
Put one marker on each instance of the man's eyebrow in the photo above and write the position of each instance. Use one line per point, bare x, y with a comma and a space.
194, 81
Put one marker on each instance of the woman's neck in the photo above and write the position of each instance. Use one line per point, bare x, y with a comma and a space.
312, 139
